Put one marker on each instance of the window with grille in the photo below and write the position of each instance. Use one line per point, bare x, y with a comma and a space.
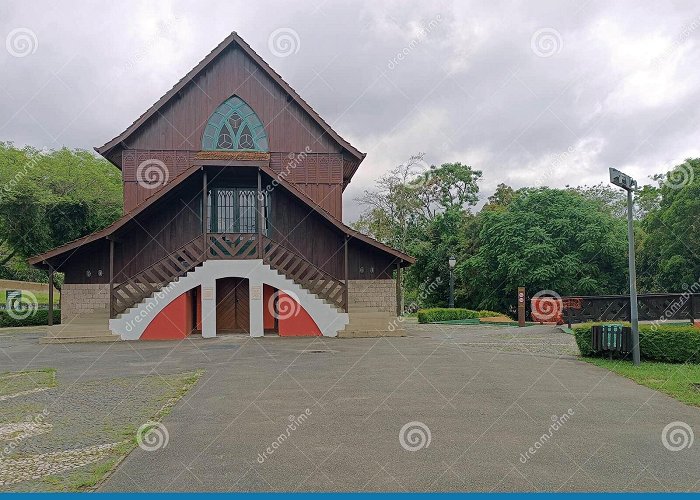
235, 210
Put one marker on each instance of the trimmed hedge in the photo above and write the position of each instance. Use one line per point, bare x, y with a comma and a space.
38, 318
672, 344
490, 314
437, 314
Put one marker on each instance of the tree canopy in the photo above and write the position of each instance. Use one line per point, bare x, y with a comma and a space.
572, 240
51, 197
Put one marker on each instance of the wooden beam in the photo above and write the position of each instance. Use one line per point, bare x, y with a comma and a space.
346, 301
111, 278
205, 215
260, 216
398, 288
50, 321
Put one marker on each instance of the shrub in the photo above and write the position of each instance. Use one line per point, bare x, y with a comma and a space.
490, 314
437, 314
38, 318
673, 344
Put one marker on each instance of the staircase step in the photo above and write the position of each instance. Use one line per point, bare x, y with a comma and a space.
365, 324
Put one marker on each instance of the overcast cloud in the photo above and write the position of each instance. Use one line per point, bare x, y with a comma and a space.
532, 93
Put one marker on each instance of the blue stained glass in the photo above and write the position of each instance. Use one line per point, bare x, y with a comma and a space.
234, 126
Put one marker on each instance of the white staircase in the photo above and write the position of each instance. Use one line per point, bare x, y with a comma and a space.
131, 323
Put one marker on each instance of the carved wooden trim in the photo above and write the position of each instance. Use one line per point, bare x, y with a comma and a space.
232, 155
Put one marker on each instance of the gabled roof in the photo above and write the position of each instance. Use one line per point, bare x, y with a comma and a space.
233, 38
112, 228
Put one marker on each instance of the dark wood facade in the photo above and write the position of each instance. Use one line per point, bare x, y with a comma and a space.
300, 173
176, 219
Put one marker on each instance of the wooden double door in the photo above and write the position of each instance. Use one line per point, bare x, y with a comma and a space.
232, 305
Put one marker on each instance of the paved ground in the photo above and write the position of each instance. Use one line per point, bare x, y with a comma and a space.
331, 412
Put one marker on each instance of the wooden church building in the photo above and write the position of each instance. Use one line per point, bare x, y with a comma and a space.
233, 199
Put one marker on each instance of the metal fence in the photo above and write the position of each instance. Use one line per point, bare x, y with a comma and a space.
652, 307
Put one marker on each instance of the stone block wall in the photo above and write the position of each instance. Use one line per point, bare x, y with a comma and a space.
77, 299
379, 295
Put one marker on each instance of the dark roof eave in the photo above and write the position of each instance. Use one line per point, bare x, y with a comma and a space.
116, 225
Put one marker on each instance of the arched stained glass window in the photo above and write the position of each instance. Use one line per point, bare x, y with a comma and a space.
234, 126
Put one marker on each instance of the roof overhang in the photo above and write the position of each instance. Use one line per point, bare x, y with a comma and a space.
109, 232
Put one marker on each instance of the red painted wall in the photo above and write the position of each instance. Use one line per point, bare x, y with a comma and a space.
173, 322
298, 324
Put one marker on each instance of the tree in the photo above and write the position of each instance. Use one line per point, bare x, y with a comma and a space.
50, 198
546, 239
501, 198
422, 211
670, 248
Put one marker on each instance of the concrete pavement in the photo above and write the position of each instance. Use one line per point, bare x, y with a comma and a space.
475, 402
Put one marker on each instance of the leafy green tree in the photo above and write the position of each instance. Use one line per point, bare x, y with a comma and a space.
50, 198
546, 239
422, 211
501, 198
670, 247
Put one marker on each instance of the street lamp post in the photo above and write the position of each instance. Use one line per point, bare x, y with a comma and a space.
629, 184
452, 262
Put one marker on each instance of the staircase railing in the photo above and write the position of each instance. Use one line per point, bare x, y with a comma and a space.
304, 272
136, 288
226, 246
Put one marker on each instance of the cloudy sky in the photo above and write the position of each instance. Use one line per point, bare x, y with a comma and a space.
532, 93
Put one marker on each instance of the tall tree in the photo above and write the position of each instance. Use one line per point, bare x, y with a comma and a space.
50, 198
546, 239
670, 248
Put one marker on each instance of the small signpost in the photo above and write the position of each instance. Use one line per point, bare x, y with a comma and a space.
521, 306
13, 299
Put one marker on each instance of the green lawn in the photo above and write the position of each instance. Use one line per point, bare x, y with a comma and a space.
41, 297
680, 381
15, 382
